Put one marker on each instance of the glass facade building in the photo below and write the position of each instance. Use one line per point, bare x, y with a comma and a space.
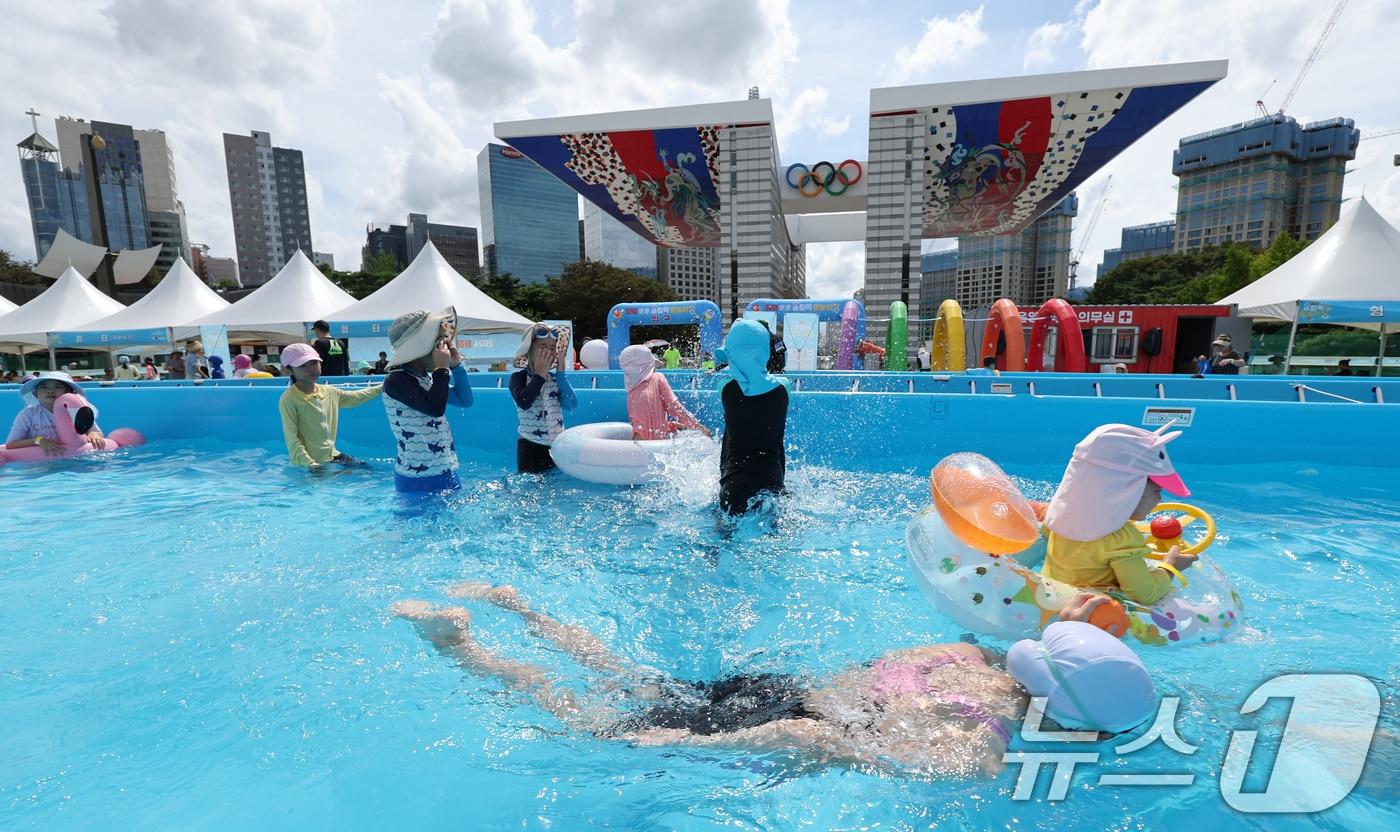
607, 240
529, 219
1138, 241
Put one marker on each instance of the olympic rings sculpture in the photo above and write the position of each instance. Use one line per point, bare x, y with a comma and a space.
824, 176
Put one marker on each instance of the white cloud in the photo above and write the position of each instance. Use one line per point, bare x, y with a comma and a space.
809, 110
1040, 50
835, 270
946, 40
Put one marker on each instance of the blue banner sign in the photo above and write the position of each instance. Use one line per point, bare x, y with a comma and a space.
103, 340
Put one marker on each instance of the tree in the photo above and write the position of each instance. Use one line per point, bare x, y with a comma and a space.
1168, 278
375, 271
529, 299
13, 270
586, 292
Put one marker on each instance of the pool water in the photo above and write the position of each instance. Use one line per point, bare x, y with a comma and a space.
196, 636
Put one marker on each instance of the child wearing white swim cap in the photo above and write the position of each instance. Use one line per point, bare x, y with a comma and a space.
1090, 679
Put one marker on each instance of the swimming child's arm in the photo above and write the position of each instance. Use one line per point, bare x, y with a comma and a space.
296, 449
401, 387
525, 387
674, 408
355, 398
1139, 583
567, 399
460, 394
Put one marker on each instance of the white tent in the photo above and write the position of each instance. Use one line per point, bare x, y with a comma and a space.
68, 252
6, 306
1357, 259
430, 283
71, 302
280, 309
178, 300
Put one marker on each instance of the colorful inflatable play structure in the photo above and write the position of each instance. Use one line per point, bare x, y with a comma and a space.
977, 550
624, 316
801, 320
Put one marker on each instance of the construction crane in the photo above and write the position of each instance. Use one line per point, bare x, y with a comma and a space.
1307, 63
1380, 134
1088, 232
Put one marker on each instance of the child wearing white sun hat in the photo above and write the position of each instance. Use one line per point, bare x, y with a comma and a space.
425, 376
1116, 476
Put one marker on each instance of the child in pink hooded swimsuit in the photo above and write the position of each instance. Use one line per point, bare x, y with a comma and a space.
1115, 477
652, 407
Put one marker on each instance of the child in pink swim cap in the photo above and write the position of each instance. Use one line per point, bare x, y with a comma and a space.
1116, 476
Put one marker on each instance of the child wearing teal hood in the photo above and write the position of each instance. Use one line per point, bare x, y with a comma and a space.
752, 460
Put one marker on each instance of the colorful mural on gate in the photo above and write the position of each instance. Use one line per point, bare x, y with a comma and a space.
994, 167
661, 183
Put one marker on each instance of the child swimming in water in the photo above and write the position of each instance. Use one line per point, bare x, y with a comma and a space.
1115, 477
34, 423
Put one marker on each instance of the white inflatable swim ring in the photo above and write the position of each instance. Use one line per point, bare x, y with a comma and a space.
605, 452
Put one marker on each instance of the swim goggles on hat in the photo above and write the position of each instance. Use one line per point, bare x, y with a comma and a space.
543, 331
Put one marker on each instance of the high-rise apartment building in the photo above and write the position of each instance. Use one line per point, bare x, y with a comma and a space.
529, 219
607, 240
1029, 267
267, 192
692, 273
1139, 241
1253, 181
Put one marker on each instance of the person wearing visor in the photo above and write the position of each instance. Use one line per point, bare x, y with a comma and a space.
425, 376
311, 412
542, 394
1115, 477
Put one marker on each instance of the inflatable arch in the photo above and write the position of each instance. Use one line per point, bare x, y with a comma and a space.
850, 312
949, 338
624, 316
1069, 346
897, 338
1006, 318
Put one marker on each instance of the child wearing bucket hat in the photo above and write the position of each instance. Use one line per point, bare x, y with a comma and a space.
311, 412
425, 376
542, 394
1115, 477
34, 424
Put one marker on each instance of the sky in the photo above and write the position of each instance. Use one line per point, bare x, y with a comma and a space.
390, 102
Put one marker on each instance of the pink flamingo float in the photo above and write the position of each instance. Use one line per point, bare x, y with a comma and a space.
73, 417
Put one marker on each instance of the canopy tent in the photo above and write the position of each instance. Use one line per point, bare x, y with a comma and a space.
1358, 259
6, 306
428, 283
280, 309
1367, 314
176, 302
71, 302
131, 265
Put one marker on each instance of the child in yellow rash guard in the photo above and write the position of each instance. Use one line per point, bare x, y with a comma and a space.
1115, 477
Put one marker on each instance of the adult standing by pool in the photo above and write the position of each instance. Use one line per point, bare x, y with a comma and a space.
175, 365
542, 393
672, 357
333, 358
752, 459
124, 371
196, 365
1224, 360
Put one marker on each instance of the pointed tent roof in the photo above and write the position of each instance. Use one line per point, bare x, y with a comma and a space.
68, 304
1356, 259
7, 306
430, 283
176, 301
68, 251
296, 295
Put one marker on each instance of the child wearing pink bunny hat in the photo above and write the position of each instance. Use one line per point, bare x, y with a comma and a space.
1116, 476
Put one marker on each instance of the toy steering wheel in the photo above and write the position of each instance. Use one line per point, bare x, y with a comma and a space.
1166, 530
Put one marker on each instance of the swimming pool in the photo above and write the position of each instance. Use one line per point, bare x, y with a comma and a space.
197, 635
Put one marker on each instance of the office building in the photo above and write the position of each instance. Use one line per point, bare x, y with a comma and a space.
219, 272
165, 213
456, 243
938, 281
386, 238
1139, 241
607, 240
323, 258
1253, 181
267, 193
1029, 266
56, 199
529, 219
692, 273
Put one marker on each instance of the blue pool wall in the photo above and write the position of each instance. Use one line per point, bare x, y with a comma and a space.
860, 421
